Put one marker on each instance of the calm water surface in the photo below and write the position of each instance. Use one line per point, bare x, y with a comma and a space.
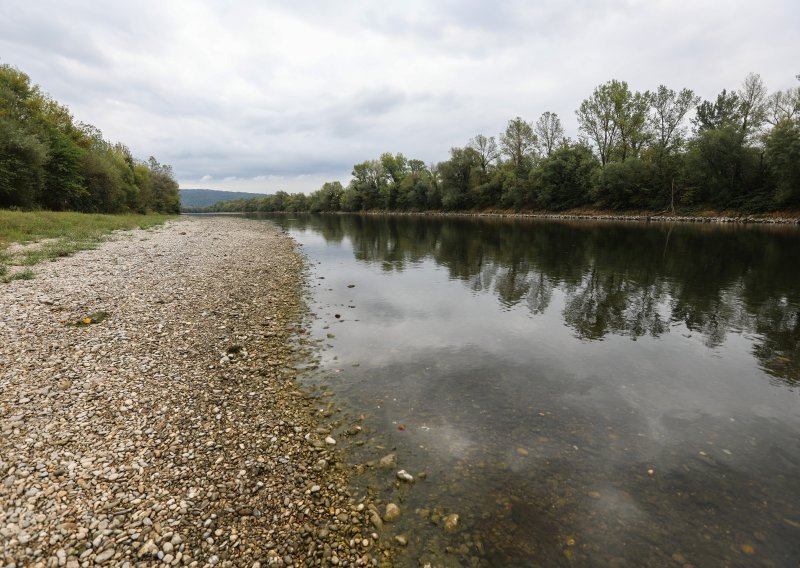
580, 394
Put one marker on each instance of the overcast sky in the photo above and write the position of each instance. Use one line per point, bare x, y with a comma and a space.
260, 96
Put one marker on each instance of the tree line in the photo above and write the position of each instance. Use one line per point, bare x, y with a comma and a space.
48, 161
635, 151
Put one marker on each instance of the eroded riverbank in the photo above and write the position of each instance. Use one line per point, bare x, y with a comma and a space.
149, 412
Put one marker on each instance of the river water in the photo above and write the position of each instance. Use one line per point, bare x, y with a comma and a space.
578, 393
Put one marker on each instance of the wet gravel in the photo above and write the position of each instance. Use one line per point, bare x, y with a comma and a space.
149, 412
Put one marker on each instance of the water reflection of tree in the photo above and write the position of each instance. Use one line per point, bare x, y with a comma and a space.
621, 279
779, 350
606, 303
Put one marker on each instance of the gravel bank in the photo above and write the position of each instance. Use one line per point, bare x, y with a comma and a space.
637, 218
166, 427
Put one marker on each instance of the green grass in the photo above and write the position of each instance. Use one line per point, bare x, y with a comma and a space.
5, 277
66, 234
32, 226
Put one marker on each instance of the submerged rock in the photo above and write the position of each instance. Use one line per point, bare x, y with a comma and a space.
403, 475
451, 523
392, 513
388, 461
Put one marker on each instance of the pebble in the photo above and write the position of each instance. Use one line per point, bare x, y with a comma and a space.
403, 475
132, 439
388, 461
392, 513
451, 523
104, 556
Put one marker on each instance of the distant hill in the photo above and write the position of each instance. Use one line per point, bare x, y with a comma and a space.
206, 197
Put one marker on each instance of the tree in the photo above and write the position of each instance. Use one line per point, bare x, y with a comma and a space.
327, 198
395, 167
166, 196
669, 110
457, 175
564, 180
415, 187
744, 110
549, 133
753, 97
487, 151
369, 178
722, 171
783, 105
782, 153
626, 185
596, 119
725, 111
630, 115
518, 142
22, 160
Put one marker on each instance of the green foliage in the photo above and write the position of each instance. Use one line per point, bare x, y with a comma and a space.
328, 198
518, 142
783, 159
626, 185
457, 178
47, 161
616, 120
722, 113
549, 133
7, 277
564, 180
22, 160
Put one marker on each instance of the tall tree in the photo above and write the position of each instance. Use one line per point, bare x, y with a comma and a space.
457, 178
369, 178
596, 119
549, 132
782, 154
783, 105
753, 97
630, 115
395, 167
725, 111
565, 180
487, 150
518, 143
669, 111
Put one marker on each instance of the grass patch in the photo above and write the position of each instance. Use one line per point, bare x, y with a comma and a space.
5, 277
33, 226
54, 250
72, 232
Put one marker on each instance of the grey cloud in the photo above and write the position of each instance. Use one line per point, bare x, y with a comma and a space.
201, 86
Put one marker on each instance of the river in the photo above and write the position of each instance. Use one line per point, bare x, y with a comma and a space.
578, 393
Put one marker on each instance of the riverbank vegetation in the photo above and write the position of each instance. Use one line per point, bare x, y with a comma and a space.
50, 161
661, 150
29, 237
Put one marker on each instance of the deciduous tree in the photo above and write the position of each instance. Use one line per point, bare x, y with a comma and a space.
549, 133
518, 143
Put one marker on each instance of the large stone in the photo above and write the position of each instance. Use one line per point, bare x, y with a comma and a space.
392, 513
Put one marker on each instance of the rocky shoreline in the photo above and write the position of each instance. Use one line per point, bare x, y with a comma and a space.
149, 413
569, 216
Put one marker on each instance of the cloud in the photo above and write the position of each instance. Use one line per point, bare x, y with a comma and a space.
267, 92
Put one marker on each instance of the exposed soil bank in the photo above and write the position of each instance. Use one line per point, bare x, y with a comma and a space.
149, 414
